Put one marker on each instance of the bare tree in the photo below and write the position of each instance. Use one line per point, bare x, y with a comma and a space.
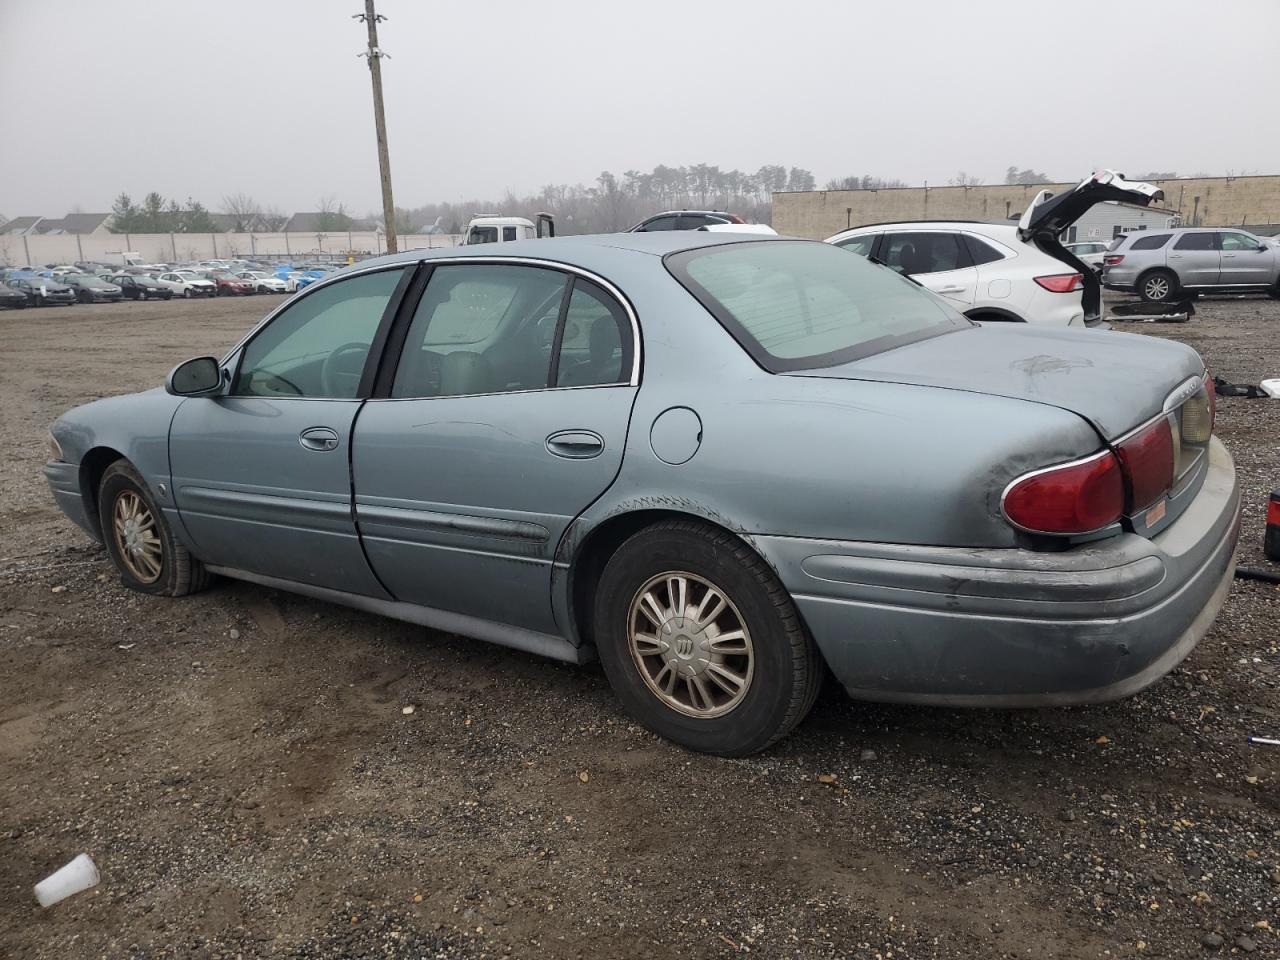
963, 179
273, 219
244, 208
331, 215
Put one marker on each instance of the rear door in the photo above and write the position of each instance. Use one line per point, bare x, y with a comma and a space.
936, 259
505, 417
1245, 260
1194, 257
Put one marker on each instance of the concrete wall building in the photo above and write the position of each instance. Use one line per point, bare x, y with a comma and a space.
1249, 202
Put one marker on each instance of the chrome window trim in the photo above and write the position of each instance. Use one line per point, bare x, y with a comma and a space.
557, 265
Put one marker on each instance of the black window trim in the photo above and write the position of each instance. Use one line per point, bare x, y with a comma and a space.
677, 263
399, 331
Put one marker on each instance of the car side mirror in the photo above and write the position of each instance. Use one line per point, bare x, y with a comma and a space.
194, 378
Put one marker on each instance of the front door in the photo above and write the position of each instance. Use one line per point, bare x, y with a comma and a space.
261, 476
935, 260
506, 417
1195, 259
1245, 260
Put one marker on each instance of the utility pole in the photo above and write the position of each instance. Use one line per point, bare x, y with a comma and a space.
370, 18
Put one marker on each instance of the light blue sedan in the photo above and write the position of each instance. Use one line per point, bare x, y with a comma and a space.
722, 464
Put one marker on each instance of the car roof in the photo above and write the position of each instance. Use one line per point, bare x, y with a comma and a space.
1000, 228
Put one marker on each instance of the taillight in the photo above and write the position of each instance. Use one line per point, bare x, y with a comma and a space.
1061, 282
1147, 458
1111, 261
1077, 497
734, 218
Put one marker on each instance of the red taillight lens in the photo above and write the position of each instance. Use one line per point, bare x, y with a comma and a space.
1061, 282
1072, 498
1273, 510
1147, 459
734, 218
1111, 261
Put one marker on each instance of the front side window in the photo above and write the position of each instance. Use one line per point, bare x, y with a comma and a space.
481, 328
916, 253
508, 234
1195, 241
860, 245
1238, 241
318, 346
796, 305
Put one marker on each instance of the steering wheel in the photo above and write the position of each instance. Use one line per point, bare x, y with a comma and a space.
336, 381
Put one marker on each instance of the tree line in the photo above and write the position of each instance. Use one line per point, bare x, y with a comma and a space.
157, 215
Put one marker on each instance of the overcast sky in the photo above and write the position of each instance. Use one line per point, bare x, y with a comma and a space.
267, 97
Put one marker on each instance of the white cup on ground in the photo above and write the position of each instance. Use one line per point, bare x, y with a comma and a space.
80, 874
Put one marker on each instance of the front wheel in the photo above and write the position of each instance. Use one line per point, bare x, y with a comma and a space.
1158, 286
139, 540
701, 642
187, 293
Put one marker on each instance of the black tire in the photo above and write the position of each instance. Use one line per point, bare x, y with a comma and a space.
1274, 292
86, 297
39, 300
187, 294
179, 572
1158, 286
786, 671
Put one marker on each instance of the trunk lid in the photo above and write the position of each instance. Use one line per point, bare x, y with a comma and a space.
1116, 381
1049, 215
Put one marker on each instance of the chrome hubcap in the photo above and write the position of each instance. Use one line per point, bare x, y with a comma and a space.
690, 644
136, 537
1157, 288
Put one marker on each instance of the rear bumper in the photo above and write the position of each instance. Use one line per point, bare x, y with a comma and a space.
1017, 628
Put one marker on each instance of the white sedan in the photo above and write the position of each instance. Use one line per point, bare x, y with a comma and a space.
185, 283
264, 282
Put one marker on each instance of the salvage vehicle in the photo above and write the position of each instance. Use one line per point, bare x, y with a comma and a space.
263, 282
227, 283
91, 289
1163, 265
685, 220
43, 291
187, 283
521, 443
11, 299
141, 287
1089, 251
997, 272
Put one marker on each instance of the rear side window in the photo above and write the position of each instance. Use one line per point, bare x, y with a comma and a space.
1195, 241
508, 234
1153, 242
658, 223
981, 252
795, 305
692, 221
916, 253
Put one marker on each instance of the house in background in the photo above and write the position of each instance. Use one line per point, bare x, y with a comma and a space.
84, 224
310, 223
1106, 221
19, 226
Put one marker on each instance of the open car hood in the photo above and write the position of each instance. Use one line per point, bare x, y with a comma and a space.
1049, 215
1116, 381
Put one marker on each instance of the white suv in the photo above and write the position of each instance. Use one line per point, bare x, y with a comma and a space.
1004, 271
983, 268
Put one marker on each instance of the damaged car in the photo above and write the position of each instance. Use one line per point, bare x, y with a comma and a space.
1000, 271
723, 464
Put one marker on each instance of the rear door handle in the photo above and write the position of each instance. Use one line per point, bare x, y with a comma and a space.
319, 439
575, 444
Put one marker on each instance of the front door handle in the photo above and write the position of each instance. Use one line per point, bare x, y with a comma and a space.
319, 439
575, 444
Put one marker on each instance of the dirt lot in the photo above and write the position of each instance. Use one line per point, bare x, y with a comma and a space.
239, 765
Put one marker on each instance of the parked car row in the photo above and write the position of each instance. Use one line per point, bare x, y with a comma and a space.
89, 282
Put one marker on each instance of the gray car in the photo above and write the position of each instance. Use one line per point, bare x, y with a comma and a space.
1163, 265
722, 464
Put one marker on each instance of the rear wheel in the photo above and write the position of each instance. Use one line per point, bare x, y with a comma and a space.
39, 300
701, 642
139, 540
1158, 286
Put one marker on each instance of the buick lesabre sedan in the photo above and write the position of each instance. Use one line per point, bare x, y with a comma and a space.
723, 464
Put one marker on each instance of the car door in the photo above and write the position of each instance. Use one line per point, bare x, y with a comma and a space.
1195, 259
505, 418
261, 474
935, 259
1244, 260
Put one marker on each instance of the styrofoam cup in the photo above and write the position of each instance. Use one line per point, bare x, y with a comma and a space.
80, 874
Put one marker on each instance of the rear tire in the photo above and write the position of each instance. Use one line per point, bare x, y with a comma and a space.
139, 540
1158, 286
729, 683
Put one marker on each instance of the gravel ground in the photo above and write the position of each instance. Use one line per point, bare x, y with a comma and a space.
240, 765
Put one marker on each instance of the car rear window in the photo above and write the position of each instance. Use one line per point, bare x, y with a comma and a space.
796, 305
1153, 242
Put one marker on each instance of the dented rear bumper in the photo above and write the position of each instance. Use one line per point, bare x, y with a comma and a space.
1011, 627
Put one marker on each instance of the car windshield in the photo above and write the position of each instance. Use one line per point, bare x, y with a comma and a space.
188, 275
797, 305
